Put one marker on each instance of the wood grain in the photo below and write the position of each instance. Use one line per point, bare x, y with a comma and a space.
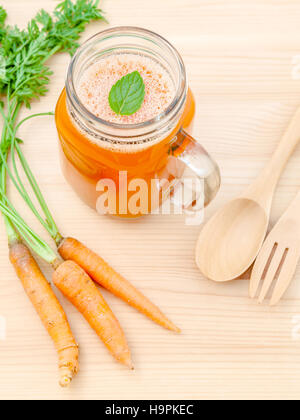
239, 58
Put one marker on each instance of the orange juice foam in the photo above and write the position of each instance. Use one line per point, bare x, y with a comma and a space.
97, 81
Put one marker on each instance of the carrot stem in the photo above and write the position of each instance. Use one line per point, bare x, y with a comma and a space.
12, 235
52, 228
49, 224
12, 219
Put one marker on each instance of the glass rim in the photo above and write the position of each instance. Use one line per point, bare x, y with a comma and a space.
118, 31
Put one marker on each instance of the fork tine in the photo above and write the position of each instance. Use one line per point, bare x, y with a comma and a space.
285, 277
264, 257
271, 273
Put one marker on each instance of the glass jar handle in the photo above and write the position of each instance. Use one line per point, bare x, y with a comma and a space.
193, 176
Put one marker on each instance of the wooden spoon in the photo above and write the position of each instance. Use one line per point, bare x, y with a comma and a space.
231, 240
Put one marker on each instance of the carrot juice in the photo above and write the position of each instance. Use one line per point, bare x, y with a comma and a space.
99, 145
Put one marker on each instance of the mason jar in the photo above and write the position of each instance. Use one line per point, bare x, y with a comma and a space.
133, 169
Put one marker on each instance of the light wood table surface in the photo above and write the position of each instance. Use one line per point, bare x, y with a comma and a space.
239, 56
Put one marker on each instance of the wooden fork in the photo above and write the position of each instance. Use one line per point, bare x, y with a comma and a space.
278, 258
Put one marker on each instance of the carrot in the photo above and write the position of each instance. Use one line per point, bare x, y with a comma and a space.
48, 308
106, 276
81, 291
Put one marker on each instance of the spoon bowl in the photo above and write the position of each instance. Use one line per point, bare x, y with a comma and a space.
231, 240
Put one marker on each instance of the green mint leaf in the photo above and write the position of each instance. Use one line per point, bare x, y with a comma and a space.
127, 95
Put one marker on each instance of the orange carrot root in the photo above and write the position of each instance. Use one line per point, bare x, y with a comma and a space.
81, 291
49, 310
107, 277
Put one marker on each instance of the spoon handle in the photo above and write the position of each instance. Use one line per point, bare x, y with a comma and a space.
262, 190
